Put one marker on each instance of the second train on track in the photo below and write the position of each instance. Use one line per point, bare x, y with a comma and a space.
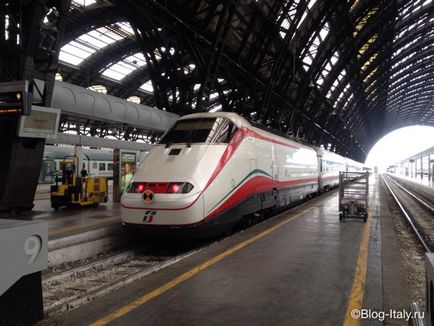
211, 169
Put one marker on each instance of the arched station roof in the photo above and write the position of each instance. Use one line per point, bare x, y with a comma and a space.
339, 73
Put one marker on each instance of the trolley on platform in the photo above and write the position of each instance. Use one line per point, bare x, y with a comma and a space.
353, 195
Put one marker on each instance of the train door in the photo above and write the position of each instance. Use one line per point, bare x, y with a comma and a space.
321, 170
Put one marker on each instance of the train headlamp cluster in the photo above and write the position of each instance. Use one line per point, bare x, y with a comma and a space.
161, 187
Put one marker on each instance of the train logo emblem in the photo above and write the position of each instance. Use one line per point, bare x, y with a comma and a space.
148, 196
149, 216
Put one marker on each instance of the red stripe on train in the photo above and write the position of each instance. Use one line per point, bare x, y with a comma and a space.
236, 140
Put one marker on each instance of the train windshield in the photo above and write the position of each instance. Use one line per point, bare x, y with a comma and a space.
200, 130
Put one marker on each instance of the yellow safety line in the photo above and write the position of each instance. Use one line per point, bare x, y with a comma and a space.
105, 221
358, 289
151, 295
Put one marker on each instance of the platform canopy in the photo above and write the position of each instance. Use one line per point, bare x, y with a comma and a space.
339, 73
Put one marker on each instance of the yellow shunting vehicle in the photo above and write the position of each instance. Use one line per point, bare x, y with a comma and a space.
76, 190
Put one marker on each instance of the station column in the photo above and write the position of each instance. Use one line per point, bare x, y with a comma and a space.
30, 34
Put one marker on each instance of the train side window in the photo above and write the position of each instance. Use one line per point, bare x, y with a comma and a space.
94, 165
225, 132
109, 166
102, 166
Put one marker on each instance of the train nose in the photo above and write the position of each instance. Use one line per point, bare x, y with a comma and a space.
174, 203
166, 194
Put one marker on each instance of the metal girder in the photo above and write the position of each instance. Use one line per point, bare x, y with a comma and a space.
250, 57
131, 82
85, 20
95, 128
96, 63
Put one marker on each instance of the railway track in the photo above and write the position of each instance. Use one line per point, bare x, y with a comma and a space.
417, 207
67, 289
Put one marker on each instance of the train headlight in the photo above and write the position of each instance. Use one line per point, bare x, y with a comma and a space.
173, 188
179, 188
140, 187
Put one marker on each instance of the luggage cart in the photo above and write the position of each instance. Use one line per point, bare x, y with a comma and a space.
353, 195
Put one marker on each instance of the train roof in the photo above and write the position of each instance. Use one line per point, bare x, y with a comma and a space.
236, 118
329, 154
59, 152
241, 122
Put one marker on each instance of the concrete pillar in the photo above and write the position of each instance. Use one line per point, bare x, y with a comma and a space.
421, 167
415, 169
432, 172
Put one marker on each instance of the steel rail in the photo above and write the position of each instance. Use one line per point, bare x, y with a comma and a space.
427, 206
84, 268
407, 216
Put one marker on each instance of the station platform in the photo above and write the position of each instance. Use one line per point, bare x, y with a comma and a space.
422, 181
76, 233
73, 220
302, 267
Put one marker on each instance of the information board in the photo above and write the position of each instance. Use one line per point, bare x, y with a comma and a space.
14, 98
41, 123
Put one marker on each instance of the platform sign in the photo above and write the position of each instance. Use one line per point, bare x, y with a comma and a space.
14, 98
43, 122
127, 168
23, 250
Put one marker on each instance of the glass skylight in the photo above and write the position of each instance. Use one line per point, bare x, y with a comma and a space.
216, 108
6, 27
318, 38
82, 47
328, 67
309, 6
98, 88
122, 68
83, 3
134, 99
290, 17
147, 87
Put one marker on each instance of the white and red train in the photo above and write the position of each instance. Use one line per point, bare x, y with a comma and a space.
211, 169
